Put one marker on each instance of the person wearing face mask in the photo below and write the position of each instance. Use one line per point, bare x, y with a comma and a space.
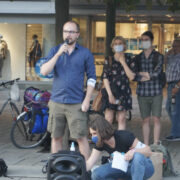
134, 152
149, 65
35, 52
116, 96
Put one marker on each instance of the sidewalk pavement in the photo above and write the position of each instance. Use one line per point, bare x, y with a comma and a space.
26, 164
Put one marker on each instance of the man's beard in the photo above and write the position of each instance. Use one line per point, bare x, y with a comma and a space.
72, 42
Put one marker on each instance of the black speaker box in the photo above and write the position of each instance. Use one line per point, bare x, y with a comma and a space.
66, 165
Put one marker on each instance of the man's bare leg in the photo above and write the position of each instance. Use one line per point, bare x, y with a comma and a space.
146, 130
84, 147
157, 129
56, 144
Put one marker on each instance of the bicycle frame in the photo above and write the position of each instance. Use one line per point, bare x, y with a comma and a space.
8, 101
11, 104
4, 105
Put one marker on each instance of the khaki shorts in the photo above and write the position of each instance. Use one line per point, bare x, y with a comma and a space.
150, 105
60, 114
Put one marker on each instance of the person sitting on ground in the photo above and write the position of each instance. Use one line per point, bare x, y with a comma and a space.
106, 138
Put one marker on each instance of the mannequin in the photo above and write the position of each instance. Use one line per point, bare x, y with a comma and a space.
3, 52
34, 52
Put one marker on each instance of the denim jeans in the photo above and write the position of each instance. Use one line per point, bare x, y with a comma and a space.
140, 168
174, 111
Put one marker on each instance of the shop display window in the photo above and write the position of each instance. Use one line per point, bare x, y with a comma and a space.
171, 32
130, 31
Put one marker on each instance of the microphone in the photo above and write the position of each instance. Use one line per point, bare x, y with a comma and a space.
66, 41
64, 53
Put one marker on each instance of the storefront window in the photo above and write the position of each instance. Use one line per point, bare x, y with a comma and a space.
171, 32
132, 33
98, 45
83, 31
157, 30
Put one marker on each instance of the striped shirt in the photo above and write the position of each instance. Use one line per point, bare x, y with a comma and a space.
173, 68
153, 87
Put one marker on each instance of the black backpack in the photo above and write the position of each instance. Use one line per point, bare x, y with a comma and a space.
3, 168
162, 76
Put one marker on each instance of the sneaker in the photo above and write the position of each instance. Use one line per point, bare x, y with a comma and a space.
173, 138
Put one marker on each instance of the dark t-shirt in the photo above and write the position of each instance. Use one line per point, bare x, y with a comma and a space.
123, 141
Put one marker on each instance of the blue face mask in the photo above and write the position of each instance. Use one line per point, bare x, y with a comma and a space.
94, 139
118, 48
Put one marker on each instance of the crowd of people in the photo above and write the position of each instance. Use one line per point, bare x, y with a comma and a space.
70, 62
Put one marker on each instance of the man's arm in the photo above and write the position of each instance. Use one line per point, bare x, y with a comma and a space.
91, 81
139, 76
87, 99
176, 88
49, 66
158, 69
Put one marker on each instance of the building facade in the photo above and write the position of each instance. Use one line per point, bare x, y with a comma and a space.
20, 20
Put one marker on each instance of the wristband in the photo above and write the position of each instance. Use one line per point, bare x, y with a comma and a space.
91, 82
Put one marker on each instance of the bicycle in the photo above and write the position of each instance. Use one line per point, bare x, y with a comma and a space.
21, 135
9, 101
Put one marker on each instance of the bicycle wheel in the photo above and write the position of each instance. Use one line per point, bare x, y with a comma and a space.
20, 136
14, 111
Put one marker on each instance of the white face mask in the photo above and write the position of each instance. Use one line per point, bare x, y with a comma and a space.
146, 44
118, 48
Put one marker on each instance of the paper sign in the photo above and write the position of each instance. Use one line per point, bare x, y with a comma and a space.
119, 162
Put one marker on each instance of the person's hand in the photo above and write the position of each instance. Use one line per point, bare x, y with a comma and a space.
85, 105
174, 91
145, 76
112, 99
62, 49
170, 52
143, 79
121, 58
129, 155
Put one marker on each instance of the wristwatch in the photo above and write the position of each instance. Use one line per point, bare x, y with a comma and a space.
176, 86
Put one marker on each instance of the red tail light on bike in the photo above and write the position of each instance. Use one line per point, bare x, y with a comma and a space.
14, 118
25, 109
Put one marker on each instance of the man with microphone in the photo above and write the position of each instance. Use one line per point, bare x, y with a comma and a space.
70, 62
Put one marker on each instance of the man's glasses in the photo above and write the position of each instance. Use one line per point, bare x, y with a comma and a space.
70, 32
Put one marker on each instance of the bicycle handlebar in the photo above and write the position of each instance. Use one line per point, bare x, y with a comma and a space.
9, 82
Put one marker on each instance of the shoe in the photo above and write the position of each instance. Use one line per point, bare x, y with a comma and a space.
173, 138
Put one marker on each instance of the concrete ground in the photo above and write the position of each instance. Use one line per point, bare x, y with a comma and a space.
27, 164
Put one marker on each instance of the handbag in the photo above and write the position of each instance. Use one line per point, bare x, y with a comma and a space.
97, 102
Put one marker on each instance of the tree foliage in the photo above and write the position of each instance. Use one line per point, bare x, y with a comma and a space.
129, 5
